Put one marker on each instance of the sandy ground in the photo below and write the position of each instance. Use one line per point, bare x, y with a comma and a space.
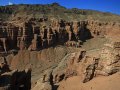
99, 83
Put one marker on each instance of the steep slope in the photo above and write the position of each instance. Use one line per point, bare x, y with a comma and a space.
53, 11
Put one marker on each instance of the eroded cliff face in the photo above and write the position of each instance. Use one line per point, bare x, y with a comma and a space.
14, 79
53, 49
35, 35
84, 66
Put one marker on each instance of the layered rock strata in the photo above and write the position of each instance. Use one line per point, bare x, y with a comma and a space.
33, 35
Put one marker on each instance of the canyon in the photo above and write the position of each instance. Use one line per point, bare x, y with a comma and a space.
51, 53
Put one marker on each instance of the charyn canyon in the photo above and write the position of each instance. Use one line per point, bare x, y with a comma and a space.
51, 47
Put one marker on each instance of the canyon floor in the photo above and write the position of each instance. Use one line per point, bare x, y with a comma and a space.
98, 83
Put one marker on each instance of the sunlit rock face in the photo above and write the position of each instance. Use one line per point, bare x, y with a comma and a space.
33, 35
40, 50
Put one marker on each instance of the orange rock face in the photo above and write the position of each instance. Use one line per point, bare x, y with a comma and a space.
32, 36
36, 44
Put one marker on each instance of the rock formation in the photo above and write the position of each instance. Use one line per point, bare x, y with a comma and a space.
44, 83
55, 47
32, 37
14, 79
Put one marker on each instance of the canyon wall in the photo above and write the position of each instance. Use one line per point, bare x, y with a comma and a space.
33, 35
53, 49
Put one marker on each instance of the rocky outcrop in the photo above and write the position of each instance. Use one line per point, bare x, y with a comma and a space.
14, 79
34, 35
45, 82
86, 66
3, 65
53, 47
110, 58
30, 37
